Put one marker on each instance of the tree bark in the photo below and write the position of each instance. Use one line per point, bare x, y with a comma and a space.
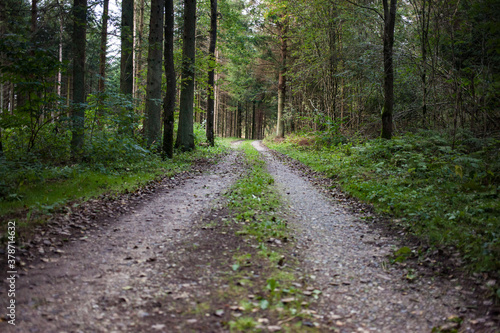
102, 56
238, 120
2, 32
152, 123
169, 102
78, 108
185, 135
280, 128
126, 61
61, 32
138, 48
211, 73
389, 22
254, 121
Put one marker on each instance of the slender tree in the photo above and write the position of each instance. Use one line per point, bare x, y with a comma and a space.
127, 63
2, 32
139, 35
169, 102
102, 54
78, 109
185, 134
211, 73
388, 38
282, 31
152, 122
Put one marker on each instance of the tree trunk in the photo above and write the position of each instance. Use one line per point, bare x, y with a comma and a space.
34, 16
78, 108
127, 64
238, 120
280, 128
2, 32
102, 57
169, 102
61, 33
138, 48
211, 73
152, 123
254, 121
389, 22
185, 135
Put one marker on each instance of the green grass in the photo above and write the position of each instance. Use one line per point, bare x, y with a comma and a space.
446, 196
255, 202
257, 208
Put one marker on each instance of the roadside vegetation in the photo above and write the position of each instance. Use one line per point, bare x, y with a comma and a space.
444, 191
256, 207
32, 189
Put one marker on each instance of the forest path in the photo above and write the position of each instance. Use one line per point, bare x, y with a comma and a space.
166, 267
348, 261
109, 280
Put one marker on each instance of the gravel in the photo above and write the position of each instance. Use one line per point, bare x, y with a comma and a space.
347, 260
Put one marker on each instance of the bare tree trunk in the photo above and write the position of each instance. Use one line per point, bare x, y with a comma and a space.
59, 72
280, 128
34, 16
127, 64
138, 48
185, 134
78, 109
169, 102
389, 22
102, 57
211, 73
254, 121
152, 120
2, 32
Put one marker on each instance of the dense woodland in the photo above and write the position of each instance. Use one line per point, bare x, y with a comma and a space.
108, 86
279, 66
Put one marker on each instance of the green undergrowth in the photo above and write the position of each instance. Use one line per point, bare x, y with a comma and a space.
256, 206
36, 191
448, 195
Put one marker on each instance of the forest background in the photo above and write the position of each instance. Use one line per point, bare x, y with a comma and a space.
396, 100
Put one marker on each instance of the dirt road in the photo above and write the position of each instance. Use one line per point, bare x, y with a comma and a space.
159, 267
348, 259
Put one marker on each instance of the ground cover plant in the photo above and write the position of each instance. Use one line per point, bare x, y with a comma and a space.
443, 191
256, 207
31, 190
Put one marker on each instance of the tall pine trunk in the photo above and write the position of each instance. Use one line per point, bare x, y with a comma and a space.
185, 134
102, 56
2, 32
139, 32
78, 108
126, 61
211, 73
280, 128
389, 22
153, 90
169, 102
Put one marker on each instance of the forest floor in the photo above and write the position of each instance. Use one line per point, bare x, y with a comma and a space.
163, 260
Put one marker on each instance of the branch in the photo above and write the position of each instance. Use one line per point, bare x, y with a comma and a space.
366, 7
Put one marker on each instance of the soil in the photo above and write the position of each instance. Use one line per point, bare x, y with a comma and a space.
159, 260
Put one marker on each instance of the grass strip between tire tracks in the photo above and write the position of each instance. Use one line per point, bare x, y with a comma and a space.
256, 207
